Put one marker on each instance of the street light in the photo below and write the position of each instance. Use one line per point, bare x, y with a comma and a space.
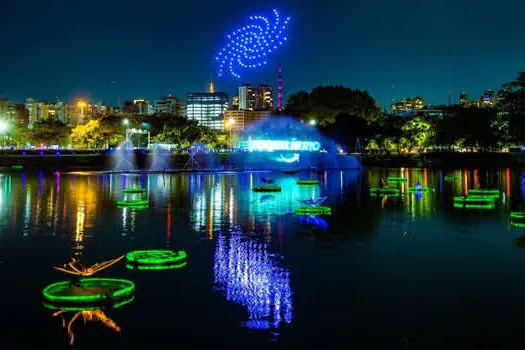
125, 121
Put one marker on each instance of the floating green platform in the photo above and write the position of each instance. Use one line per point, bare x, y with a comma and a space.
419, 189
384, 191
17, 167
451, 177
308, 182
396, 180
266, 188
133, 190
133, 203
484, 193
476, 202
156, 259
313, 210
88, 293
517, 219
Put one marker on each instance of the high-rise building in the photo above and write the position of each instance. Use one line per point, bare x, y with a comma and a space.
21, 115
264, 98
258, 98
38, 110
235, 102
246, 97
208, 108
57, 111
488, 100
170, 105
463, 99
7, 109
142, 107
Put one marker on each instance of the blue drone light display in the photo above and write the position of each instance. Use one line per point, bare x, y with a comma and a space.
249, 46
249, 275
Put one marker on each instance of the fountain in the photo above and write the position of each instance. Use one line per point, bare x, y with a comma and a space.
123, 159
159, 160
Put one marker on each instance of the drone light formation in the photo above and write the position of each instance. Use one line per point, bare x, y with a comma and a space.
249, 46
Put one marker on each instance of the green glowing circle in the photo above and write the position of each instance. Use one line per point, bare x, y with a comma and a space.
384, 190
308, 182
484, 193
451, 178
396, 180
17, 167
133, 203
91, 293
133, 190
266, 188
313, 210
475, 202
415, 189
155, 259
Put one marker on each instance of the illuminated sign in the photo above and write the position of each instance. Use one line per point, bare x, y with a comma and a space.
281, 145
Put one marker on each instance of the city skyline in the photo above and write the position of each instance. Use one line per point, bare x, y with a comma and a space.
95, 52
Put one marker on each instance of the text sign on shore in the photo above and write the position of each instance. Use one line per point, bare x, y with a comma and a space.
282, 145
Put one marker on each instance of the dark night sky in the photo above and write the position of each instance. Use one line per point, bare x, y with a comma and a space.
106, 49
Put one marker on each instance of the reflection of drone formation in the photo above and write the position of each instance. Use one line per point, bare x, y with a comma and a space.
74, 267
87, 315
248, 275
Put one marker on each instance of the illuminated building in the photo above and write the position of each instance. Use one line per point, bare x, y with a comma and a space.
249, 275
170, 105
235, 102
258, 98
487, 100
463, 99
38, 110
57, 111
407, 104
208, 108
7, 109
243, 118
250, 45
246, 97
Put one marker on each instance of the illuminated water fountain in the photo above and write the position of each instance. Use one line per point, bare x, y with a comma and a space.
123, 159
247, 273
160, 160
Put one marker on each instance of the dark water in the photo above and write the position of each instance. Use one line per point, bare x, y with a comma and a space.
407, 273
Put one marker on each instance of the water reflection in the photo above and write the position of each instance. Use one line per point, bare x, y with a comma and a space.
248, 274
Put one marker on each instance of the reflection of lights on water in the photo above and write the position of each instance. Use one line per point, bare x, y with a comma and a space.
27, 211
81, 216
248, 275
316, 221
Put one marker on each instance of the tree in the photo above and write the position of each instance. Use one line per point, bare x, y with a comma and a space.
325, 103
183, 132
88, 135
417, 132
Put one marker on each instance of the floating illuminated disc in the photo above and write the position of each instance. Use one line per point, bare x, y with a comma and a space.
476, 202
266, 188
517, 219
17, 167
418, 189
133, 203
451, 178
155, 259
396, 180
484, 193
308, 182
313, 210
88, 293
133, 190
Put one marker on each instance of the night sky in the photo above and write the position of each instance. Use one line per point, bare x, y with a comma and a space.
106, 49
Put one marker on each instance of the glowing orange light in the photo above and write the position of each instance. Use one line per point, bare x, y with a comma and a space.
76, 268
87, 315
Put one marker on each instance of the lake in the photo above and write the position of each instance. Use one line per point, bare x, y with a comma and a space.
407, 272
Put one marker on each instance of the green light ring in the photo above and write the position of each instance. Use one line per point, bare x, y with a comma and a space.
485, 200
156, 267
396, 180
132, 206
517, 224
133, 202
308, 182
155, 257
313, 210
474, 206
517, 215
133, 190
17, 167
88, 307
451, 177
384, 190
267, 188
484, 191
415, 189
390, 195
125, 288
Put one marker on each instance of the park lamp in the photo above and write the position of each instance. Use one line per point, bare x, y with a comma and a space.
125, 121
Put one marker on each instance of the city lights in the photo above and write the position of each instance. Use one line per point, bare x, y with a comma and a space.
249, 46
281, 145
